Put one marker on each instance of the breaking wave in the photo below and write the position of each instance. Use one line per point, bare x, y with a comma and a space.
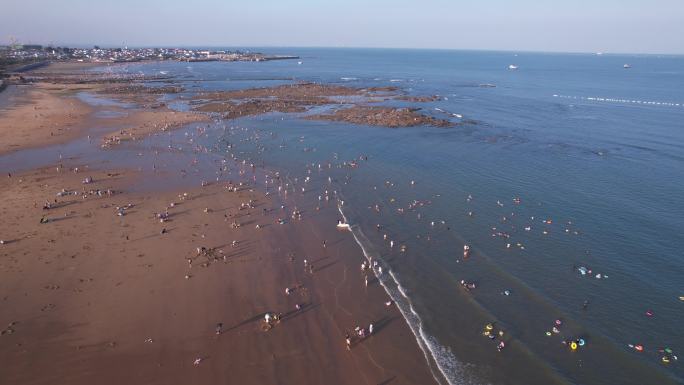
438, 356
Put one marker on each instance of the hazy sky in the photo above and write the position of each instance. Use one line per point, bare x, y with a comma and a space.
648, 26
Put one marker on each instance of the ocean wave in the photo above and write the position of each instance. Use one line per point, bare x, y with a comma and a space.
618, 100
450, 369
455, 115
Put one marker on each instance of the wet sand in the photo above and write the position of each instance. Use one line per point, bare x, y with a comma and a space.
92, 296
41, 114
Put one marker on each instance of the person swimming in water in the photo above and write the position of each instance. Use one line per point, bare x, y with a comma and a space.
468, 285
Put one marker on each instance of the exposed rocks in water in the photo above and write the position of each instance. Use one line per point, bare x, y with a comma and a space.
297, 98
383, 116
232, 110
90, 78
420, 99
306, 93
137, 88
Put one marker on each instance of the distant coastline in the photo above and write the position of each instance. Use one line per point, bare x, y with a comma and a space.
21, 58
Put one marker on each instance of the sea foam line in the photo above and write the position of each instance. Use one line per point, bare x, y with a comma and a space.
448, 366
617, 100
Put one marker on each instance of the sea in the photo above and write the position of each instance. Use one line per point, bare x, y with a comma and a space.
564, 176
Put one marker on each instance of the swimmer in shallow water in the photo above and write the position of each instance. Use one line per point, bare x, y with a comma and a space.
468, 285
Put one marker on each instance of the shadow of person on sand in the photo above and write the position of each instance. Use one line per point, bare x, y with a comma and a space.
59, 219
318, 269
63, 204
382, 323
247, 321
320, 259
334, 242
295, 313
166, 231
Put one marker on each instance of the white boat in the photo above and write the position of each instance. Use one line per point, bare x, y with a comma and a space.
627, 66
512, 67
300, 63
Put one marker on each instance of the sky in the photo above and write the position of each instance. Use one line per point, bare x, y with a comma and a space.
611, 26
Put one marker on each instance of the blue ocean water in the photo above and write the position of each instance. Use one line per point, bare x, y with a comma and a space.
572, 163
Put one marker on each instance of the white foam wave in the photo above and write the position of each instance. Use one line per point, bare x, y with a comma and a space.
450, 369
618, 100
448, 113
348, 79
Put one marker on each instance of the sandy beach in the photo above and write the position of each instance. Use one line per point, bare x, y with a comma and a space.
102, 283
40, 115
44, 113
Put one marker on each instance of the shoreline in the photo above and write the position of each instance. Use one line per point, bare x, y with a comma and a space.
58, 116
97, 296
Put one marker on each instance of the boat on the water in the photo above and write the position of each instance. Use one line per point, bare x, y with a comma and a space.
512, 67
627, 66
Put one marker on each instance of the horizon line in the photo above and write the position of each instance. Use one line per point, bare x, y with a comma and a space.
189, 46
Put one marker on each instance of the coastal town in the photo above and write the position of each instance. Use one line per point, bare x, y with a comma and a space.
17, 57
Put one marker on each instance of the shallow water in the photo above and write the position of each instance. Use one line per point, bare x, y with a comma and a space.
594, 148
